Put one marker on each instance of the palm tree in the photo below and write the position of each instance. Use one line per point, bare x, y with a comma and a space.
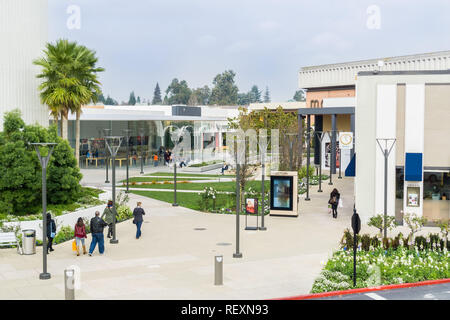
70, 81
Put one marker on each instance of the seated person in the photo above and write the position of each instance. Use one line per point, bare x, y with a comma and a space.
225, 167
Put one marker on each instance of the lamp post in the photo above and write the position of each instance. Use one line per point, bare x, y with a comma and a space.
106, 133
263, 150
356, 226
127, 136
237, 254
320, 135
113, 148
329, 133
141, 133
308, 157
386, 151
44, 160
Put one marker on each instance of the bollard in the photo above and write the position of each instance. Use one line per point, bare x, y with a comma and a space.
218, 270
69, 284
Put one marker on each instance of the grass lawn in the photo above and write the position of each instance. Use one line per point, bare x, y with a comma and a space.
189, 200
193, 174
228, 186
162, 179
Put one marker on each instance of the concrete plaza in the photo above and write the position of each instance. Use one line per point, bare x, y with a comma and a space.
174, 258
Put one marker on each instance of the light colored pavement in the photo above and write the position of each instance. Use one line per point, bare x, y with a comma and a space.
172, 260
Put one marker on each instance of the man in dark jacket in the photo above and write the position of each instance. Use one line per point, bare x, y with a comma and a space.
97, 225
138, 213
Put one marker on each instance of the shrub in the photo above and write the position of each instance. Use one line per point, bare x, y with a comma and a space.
66, 233
365, 242
124, 213
414, 223
378, 222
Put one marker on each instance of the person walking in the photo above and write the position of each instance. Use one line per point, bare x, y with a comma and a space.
138, 213
108, 216
334, 201
97, 225
51, 232
80, 235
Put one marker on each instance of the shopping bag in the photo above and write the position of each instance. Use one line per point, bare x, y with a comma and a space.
341, 205
329, 209
74, 245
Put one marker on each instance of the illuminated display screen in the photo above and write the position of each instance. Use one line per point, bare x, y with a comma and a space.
281, 193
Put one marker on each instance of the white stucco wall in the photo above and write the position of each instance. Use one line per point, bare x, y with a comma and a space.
23, 35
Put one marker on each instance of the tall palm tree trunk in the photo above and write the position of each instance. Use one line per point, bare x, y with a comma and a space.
77, 137
64, 124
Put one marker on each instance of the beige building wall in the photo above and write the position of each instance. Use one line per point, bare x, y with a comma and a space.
400, 143
342, 123
437, 125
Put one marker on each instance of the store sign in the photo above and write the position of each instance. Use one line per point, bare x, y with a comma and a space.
346, 140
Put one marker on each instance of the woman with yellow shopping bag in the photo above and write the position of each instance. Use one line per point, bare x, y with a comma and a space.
80, 235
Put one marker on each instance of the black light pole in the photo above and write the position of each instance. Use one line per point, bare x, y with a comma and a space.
386, 153
113, 150
262, 149
320, 135
106, 133
44, 164
141, 132
127, 135
308, 154
175, 204
330, 134
356, 226
237, 254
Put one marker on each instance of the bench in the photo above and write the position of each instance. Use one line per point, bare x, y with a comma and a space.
9, 239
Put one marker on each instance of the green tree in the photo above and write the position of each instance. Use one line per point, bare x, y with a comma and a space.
177, 92
101, 98
157, 95
200, 96
138, 99
20, 170
299, 95
110, 101
255, 94
69, 76
244, 99
267, 95
225, 91
132, 99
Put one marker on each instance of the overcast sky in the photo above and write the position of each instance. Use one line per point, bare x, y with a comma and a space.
266, 42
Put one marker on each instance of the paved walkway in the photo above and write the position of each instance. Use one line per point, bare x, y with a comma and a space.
173, 260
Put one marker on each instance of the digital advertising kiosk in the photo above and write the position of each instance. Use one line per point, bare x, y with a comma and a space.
284, 193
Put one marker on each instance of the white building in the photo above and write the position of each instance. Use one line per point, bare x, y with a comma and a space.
23, 34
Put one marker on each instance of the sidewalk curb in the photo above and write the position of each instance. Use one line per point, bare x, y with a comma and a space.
361, 290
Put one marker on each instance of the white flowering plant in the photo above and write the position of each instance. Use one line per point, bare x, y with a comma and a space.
378, 265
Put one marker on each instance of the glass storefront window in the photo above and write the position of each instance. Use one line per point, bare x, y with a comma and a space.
436, 192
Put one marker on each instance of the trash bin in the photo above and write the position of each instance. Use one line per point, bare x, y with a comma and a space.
29, 241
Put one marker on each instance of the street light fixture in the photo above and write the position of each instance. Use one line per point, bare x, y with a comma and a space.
44, 160
263, 150
127, 135
113, 149
386, 151
308, 157
320, 135
238, 254
141, 133
106, 133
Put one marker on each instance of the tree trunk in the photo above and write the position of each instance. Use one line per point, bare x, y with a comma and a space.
77, 138
64, 125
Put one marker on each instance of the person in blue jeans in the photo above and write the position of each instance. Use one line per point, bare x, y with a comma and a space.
97, 226
138, 213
